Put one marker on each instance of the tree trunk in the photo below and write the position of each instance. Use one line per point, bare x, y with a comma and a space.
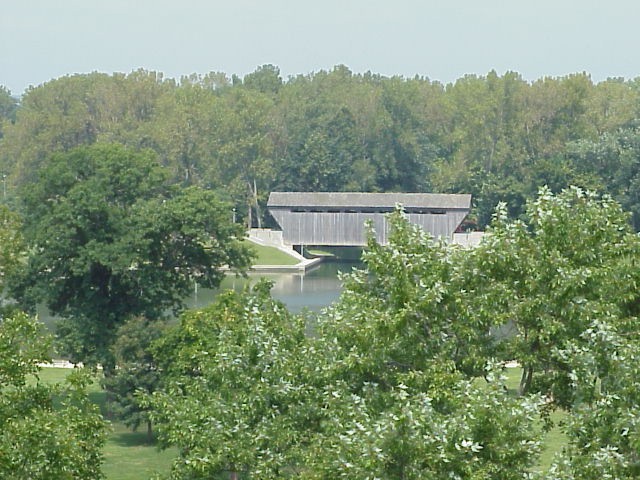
525, 380
149, 432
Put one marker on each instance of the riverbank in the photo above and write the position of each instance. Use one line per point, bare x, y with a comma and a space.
301, 267
273, 256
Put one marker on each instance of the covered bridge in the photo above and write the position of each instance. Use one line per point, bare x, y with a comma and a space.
338, 218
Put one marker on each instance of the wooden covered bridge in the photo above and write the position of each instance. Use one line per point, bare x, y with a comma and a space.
338, 218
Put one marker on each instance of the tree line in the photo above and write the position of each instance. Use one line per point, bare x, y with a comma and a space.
497, 137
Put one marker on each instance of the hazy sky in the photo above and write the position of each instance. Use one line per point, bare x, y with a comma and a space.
442, 40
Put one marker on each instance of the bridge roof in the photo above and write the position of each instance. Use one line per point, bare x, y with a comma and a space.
353, 199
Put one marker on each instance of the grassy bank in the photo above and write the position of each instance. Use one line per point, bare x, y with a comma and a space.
270, 255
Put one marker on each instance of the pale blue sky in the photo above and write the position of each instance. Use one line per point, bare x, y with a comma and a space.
442, 40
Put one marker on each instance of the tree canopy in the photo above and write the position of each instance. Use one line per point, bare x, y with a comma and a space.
373, 393
109, 239
12, 246
498, 137
401, 378
571, 261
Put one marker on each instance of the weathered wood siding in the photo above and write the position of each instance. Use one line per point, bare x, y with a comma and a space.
339, 218
348, 228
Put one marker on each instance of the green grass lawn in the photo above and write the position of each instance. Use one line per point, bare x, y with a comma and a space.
554, 439
271, 256
127, 454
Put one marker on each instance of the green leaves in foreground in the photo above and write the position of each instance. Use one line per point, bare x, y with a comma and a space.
574, 261
235, 395
46, 432
603, 426
249, 393
398, 380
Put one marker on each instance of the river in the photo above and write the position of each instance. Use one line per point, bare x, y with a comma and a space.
314, 290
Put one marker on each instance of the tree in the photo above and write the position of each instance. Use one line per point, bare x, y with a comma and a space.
397, 351
372, 394
11, 246
611, 163
45, 431
244, 158
79, 110
8, 107
416, 296
232, 397
109, 240
183, 132
136, 372
603, 427
265, 79
570, 263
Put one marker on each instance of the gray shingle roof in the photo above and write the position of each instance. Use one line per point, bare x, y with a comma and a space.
353, 199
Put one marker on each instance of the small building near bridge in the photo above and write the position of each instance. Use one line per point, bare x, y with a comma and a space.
339, 218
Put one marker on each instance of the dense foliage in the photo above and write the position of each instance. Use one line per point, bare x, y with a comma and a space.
572, 261
137, 372
119, 180
603, 428
108, 239
497, 137
401, 377
379, 390
12, 247
234, 399
46, 431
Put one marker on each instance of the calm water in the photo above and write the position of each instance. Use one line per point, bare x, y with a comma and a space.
314, 290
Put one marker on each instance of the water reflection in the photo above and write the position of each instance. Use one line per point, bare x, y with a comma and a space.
314, 290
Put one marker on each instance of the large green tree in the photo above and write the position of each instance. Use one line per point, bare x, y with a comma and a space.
109, 240
234, 398
603, 428
549, 277
400, 351
375, 392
